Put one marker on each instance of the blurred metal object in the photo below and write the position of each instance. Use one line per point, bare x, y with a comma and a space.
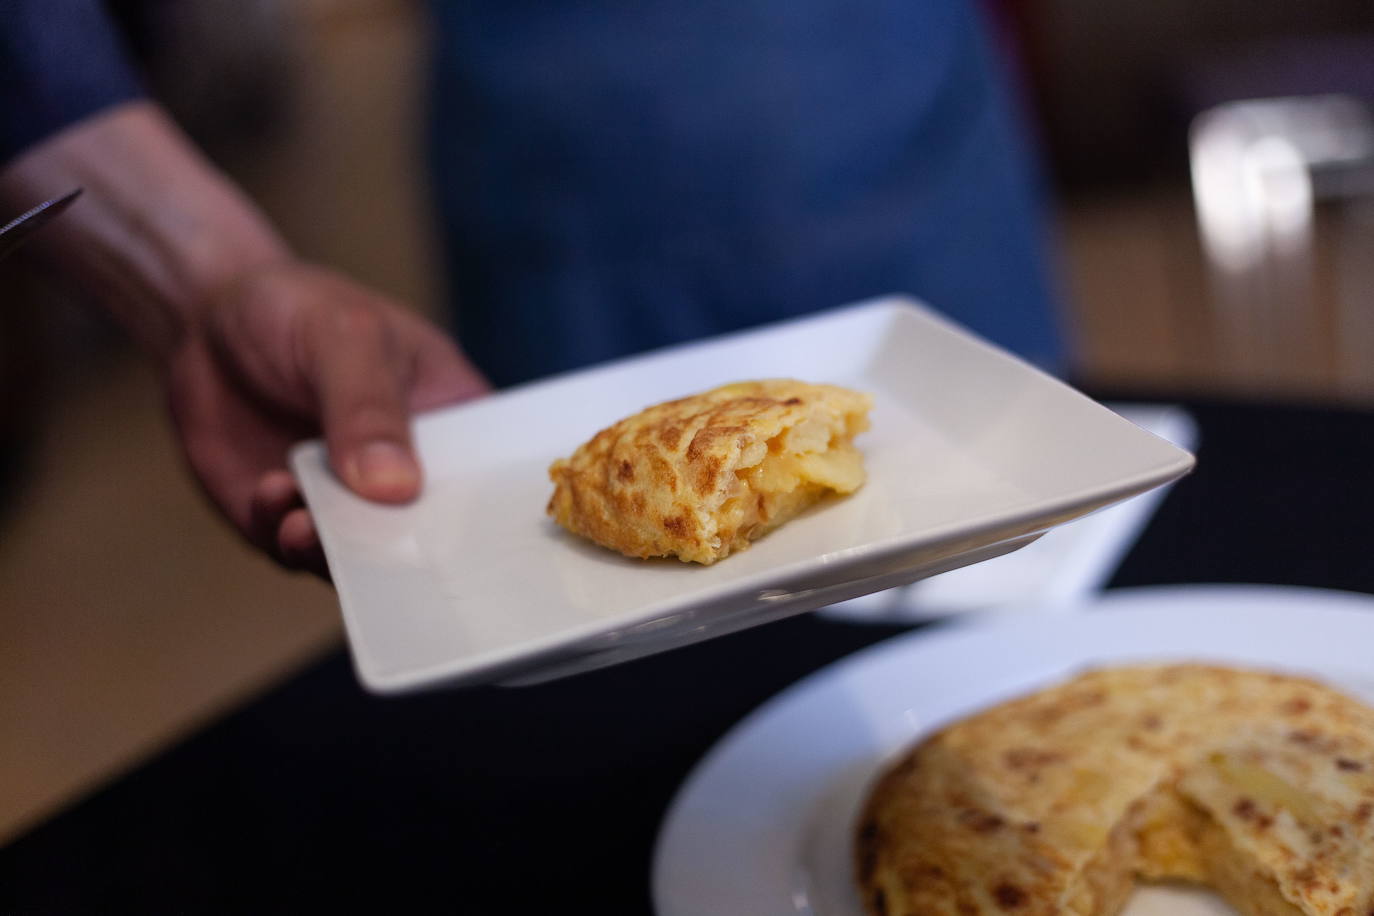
13, 233
1260, 169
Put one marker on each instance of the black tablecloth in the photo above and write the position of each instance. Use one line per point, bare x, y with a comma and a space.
546, 800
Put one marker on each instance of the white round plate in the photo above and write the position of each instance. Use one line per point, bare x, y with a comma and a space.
762, 825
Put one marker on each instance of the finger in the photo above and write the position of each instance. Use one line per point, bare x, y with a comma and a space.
296, 534
358, 379
275, 494
443, 373
225, 439
298, 545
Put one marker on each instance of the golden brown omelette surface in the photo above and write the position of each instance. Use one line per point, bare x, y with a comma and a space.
1259, 785
700, 477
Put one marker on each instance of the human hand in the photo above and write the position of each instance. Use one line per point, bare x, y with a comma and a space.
258, 349
291, 350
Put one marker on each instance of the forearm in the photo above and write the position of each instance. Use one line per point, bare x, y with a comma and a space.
159, 231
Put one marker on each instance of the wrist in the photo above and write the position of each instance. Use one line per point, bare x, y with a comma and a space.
158, 233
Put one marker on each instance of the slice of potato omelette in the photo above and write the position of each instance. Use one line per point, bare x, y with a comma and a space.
1258, 784
700, 477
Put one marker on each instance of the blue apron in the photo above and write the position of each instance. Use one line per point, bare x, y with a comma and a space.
621, 175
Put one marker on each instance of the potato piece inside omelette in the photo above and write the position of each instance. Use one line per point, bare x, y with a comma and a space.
700, 477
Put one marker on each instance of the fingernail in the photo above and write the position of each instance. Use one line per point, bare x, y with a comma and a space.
385, 466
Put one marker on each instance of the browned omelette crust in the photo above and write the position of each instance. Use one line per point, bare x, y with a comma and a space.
699, 477
1258, 784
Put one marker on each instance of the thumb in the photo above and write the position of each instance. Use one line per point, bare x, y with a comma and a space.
360, 387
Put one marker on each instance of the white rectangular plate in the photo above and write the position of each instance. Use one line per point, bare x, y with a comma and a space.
972, 454
1066, 564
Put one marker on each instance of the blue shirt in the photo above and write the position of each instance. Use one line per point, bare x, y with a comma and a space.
60, 61
621, 175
